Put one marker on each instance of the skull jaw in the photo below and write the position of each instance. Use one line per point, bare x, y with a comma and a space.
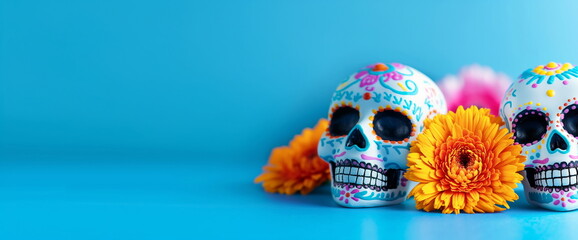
365, 188
555, 200
371, 198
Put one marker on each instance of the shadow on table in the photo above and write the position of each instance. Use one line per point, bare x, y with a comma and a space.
321, 197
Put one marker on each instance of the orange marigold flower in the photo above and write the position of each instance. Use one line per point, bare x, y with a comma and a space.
464, 161
297, 167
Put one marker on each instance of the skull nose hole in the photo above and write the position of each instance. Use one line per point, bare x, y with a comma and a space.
557, 142
356, 138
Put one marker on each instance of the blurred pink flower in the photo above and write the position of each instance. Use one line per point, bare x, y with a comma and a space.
475, 85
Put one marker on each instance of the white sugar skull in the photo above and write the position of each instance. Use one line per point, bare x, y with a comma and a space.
540, 109
374, 115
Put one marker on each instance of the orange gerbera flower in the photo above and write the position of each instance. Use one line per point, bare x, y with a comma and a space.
464, 161
297, 167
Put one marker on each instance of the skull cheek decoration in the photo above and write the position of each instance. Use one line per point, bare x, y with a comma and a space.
540, 109
374, 115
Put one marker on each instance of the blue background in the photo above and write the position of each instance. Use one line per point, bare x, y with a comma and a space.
149, 119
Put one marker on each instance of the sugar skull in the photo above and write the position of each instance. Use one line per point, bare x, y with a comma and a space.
374, 115
540, 109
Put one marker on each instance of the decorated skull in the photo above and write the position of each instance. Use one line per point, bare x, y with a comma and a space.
374, 115
540, 109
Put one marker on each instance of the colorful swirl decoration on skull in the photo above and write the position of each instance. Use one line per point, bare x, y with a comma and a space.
549, 73
383, 73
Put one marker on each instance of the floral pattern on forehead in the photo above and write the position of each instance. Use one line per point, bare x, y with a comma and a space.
549, 74
382, 73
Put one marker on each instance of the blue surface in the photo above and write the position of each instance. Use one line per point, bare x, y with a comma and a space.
149, 119
97, 197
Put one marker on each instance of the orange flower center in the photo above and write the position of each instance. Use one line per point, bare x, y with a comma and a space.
347, 194
465, 158
463, 164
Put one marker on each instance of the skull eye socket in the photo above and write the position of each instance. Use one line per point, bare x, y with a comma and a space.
343, 120
530, 126
392, 125
570, 120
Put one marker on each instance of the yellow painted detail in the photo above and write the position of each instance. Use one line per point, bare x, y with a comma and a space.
552, 68
402, 87
552, 65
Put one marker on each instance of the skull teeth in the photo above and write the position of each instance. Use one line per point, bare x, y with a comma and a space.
364, 175
558, 176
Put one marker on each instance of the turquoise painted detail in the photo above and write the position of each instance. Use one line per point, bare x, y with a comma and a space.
339, 95
407, 104
575, 196
387, 147
403, 147
393, 166
384, 196
406, 74
507, 103
330, 142
387, 96
541, 197
327, 158
427, 102
533, 77
409, 84
364, 137
503, 114
397, 100
349, 96
377, 97
379, 145
557, 150
357, 97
